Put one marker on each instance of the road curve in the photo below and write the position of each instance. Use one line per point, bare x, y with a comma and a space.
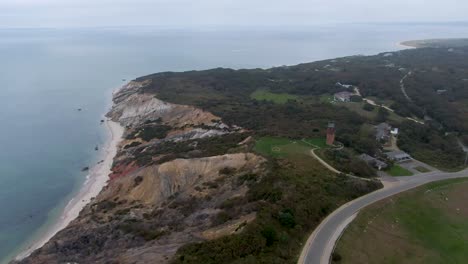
321, 243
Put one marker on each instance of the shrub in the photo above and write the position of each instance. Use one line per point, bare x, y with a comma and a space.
227, 170
368, 107
133, 144
355, 98
137, 181
270, 235
221, 218
286, 218
336, 257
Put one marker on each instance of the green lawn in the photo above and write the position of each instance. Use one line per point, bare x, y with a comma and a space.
319, 142
277, 98
326, 98
357, 107
428, 225
282, 147
397, 170
422, 169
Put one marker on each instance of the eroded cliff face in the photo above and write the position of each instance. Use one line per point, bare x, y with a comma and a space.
175, 171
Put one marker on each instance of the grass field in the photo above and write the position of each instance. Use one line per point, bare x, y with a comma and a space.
282, 147
397, 170
427, 225
357, 107
422, 169
276, 98
326, 98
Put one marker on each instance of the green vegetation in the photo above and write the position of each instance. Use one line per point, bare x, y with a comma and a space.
277, 98
431, 146
326, 98
266, 103
290, 202
196, 148
425, 225
368, 107
346, 161
282, 147
396, 170
149, 132
316, 142
422, 169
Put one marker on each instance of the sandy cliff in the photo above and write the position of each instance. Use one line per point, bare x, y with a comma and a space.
167, 188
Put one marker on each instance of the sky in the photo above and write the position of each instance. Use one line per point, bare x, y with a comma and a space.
193, 13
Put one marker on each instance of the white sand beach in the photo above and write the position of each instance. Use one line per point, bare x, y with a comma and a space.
96, 180
405, 45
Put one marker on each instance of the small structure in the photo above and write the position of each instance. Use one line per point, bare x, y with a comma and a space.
394, 131
344, 96
382, 132
331, 133
347, 86
398, 156
441, 91
376, 163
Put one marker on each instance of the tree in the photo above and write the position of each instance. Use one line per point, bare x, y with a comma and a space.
368, 107
382, 115
355, 98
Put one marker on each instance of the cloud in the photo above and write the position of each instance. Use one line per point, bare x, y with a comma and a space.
190, 13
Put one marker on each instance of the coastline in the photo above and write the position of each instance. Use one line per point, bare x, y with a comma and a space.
96, 180
405, 45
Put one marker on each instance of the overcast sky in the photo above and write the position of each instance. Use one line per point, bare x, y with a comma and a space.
192, 13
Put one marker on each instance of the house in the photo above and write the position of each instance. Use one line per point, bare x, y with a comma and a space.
382, 132
394, 131
347, 86
398, 156
343, 96
376, 163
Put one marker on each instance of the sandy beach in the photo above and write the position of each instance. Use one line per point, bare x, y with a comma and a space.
404, 45
95, 181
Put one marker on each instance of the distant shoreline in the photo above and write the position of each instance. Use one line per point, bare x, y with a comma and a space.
436, 43
410, 43
96, 180
405, 45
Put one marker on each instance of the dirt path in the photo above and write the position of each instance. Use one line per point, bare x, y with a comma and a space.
403, 88
372, 102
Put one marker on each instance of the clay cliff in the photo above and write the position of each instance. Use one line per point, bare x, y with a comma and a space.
176, 168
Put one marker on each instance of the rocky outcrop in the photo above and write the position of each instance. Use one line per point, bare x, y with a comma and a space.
148, 210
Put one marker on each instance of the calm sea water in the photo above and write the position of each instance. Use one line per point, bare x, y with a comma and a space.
47, 74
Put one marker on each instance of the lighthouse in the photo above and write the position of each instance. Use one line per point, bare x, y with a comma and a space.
331, 133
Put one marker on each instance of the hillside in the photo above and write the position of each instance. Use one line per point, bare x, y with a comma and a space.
215, 165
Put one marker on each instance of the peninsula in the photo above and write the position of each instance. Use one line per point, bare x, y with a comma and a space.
241, 166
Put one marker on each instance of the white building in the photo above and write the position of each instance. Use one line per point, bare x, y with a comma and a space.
343, 96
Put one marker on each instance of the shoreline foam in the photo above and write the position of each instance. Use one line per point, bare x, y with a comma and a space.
96, 180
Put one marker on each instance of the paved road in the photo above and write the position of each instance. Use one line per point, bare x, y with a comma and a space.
321, 243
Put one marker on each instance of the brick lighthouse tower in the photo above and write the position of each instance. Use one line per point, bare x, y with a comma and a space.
331, 133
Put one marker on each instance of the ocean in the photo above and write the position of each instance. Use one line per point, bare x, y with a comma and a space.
47, 75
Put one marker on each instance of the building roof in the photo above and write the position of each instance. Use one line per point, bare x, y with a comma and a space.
382, 130
366, 157
397, 154
344, 95
370, 159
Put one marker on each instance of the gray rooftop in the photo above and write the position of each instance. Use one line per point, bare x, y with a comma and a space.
382, 130
397, 154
